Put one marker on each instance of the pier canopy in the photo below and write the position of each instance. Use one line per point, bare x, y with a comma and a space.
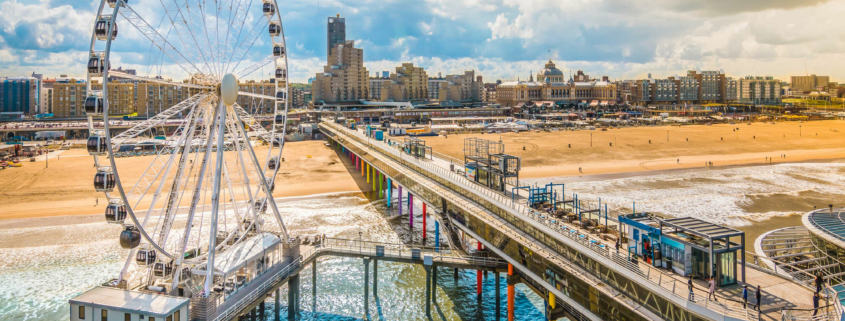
688, 246
246, 254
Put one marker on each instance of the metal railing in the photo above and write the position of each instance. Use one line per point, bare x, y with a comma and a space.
651, 275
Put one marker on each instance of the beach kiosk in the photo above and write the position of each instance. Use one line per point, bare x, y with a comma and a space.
687, 246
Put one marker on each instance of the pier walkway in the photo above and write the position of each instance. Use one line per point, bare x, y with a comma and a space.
253, 293
644, 291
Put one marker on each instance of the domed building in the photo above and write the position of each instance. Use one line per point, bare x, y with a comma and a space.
550, 74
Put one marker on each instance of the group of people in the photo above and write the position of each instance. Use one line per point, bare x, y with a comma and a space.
711, 289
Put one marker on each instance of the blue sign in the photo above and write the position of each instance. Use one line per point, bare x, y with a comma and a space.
636, 235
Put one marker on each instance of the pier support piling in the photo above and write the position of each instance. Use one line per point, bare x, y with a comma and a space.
261, 307
375, 278
436, 236
434, 284
389, 191
366, 288
411, 208
423, 230
478, 276
314, 284
511, 290
400, 200
498, 296
293, 297
428, 289
276, 309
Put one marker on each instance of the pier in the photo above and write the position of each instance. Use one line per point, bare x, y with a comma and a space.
579, 276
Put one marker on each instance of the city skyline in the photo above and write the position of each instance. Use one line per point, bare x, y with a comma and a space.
498, 39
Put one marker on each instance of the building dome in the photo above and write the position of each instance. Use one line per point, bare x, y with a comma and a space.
550, 73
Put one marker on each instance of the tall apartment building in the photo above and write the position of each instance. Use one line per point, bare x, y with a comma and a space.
345, 78
664, 91
687, 89
710, 84
730, 90
809, 83
69, 97
759, 90
456, 88
380, 88
489, 93
409, 83
335, 34
19, 94
434, 85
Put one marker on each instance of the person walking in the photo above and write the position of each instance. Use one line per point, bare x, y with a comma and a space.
819, 282
759, 302
816, 299
617, 246
691, 294
744, 296
712, 292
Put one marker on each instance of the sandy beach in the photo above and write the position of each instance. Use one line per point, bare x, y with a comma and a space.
65, 188
552, 154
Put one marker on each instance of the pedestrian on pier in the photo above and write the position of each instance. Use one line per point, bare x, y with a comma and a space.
759, 303
712, 289
744, 296
691, 294
819, 282
816, 299
617, 246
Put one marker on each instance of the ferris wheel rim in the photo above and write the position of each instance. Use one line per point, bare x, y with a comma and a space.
276, 112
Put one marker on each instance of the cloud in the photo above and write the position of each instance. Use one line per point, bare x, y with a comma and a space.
502, 29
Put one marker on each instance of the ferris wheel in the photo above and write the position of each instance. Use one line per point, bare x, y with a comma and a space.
202, 186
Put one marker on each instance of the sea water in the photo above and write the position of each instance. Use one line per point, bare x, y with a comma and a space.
736, 196
42, 267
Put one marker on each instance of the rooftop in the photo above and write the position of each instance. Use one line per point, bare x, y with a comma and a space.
147, 303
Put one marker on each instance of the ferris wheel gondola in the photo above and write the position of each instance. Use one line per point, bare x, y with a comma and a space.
202, 176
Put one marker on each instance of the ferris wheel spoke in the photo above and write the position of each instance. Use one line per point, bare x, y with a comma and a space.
241, 15
242, 49
159, 118
124, 75
254, 125
177, 18
243, 73
263, 181
161, 42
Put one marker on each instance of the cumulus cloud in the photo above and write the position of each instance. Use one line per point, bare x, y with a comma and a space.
502, 28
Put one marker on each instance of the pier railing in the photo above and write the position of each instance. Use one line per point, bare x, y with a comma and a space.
482, 195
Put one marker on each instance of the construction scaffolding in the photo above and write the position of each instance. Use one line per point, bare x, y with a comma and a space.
487, 164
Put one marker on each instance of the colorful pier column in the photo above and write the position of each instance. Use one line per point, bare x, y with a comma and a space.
369, 170
380, 186
411, 208
389, 191
478, 276
436, 236
424, 215
400, 200
511, 293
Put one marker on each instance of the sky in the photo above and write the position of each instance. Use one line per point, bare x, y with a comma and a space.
499, 39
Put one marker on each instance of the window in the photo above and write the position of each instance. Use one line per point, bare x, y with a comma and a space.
104, 315
81, 312
169, 318
127, 317
177, 315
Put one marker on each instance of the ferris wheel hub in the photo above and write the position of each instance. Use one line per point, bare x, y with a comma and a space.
229, 89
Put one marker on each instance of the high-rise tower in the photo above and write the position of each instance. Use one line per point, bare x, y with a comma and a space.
335, 33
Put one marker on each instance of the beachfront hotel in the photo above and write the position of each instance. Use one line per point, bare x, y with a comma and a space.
551, 86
